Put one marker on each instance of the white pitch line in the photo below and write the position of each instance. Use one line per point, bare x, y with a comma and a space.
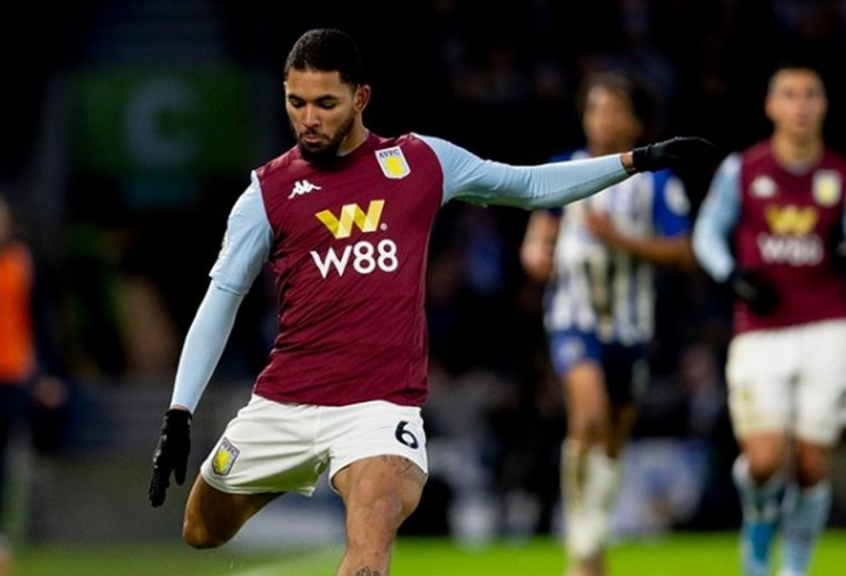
307, 565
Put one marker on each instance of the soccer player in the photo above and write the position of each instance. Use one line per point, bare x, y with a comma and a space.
343, 220
597, 256
769, 228
17, 352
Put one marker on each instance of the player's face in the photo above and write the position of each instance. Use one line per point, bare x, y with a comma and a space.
323, 112
609, 122
796, 104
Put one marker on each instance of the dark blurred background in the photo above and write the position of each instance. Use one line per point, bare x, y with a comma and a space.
130, 128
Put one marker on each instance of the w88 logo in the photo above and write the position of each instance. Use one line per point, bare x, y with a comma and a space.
365, 257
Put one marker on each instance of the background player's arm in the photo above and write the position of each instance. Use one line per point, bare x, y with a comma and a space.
671, 246
717, 218
538, 248
664, 251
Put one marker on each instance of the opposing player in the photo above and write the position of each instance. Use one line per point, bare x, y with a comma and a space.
769, 229
597, 256
343, 220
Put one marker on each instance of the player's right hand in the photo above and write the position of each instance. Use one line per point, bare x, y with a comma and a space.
754, 289
171, 454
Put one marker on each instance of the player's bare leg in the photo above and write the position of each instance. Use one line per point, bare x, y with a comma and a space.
806, 507
586, 469
379, 493
622, 420
759, 474
213, 517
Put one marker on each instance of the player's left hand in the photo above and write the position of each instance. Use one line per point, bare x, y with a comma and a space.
171, 454
676, 153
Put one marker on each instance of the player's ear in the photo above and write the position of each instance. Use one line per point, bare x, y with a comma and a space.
769, 107
361, 97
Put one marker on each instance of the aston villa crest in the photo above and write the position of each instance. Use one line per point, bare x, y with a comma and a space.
393, 163
827, 187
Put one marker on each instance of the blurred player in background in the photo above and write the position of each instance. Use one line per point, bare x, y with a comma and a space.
769, 229
597, 256
17, 351
343, 220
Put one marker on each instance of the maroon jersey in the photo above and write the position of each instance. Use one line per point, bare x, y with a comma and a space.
789, 227
349, 253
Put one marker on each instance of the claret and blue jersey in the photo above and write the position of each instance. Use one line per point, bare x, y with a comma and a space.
785, 224
348, 245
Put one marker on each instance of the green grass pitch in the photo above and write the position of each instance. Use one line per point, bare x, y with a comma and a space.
682, 554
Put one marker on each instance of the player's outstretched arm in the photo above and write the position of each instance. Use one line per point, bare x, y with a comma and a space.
201, 352
471, 179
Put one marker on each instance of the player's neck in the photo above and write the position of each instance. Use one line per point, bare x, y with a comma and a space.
358, 135
791, 152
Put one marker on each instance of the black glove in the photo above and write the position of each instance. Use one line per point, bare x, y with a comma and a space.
678, 152
171, 454
754, 289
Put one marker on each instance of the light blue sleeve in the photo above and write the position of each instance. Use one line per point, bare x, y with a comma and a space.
204, 345
246, 244
717, 217
471, 179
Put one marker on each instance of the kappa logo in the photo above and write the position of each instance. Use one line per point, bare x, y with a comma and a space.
302, 187
763, 187
352, 215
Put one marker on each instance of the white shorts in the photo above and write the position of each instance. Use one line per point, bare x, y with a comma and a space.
274, 447
789, 379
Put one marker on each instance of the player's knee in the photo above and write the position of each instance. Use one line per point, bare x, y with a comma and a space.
810, 472
374, 526
589, 428
198, 536
762, 468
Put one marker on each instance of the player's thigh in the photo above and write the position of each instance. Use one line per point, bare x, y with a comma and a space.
759, 371
821, 385
577, 358
269, 447
212, 515
380, 491
377, 455
584, 390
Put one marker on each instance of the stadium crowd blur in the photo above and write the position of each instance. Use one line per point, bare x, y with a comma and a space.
128, 140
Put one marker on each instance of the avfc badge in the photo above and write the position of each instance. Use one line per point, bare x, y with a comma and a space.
827, 187
224, 458
393, 163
